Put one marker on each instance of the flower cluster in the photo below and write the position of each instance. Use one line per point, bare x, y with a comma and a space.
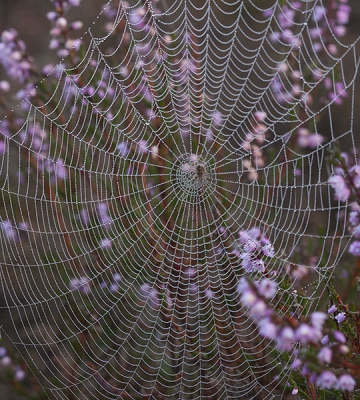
254, 246
298, 338
287, 85
6, 361
61, 27
14, 58
252, 145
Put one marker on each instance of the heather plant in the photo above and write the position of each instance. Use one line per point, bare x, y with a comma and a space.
158, 223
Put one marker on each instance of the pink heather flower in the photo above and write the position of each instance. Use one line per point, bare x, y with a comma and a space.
285, 339
250, 246
19, 375
258, 310
74, 3
325, 355
243, 237
5, 361
339, 336
106, 243
356, 232
246, 262
217, 118
304, 333
295, 391
4, 86
268, 250
267, 328
325, 340
150, 295
354, 248
84, 215
346, 382
142, 147
332, 309
260, 116
81, 284
114, 287
258, 265
355, 174
123, 149
317, 319
3, 352
60, 170
343, 349
117, 277
340, 317
267, 288
326, 380
61, 23
104, 218
209, 293
242, 286
296, 363
9, 231
248, 298
342, 192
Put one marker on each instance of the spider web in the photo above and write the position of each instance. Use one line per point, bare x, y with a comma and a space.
152, 159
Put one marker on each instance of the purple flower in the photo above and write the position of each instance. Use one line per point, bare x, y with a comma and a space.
267, 288
285, 339
340, 317
332, 309
250, 246
295, 391
342, 192
268, 250
296, 363
304, 333
84, 215
258, 310
325, 339
260, 116
346, 382
148, 294
325, 355
326, 380
242, 286
248, 298
354, 248
5, 361
9, 231
19, 374
60, 170
114, 287
13, 56
106, 243
104, 218
4, 86
3, 352
339, 336
258, 265
142, 147
355, 174
123, 149
317, 319
356, 232
209, 293
81, 284
267, 328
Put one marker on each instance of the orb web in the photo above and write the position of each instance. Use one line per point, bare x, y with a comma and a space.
136, 176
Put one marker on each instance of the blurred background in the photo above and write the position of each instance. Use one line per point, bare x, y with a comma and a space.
28, 17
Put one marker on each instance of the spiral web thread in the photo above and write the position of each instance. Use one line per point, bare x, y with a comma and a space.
137, 191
